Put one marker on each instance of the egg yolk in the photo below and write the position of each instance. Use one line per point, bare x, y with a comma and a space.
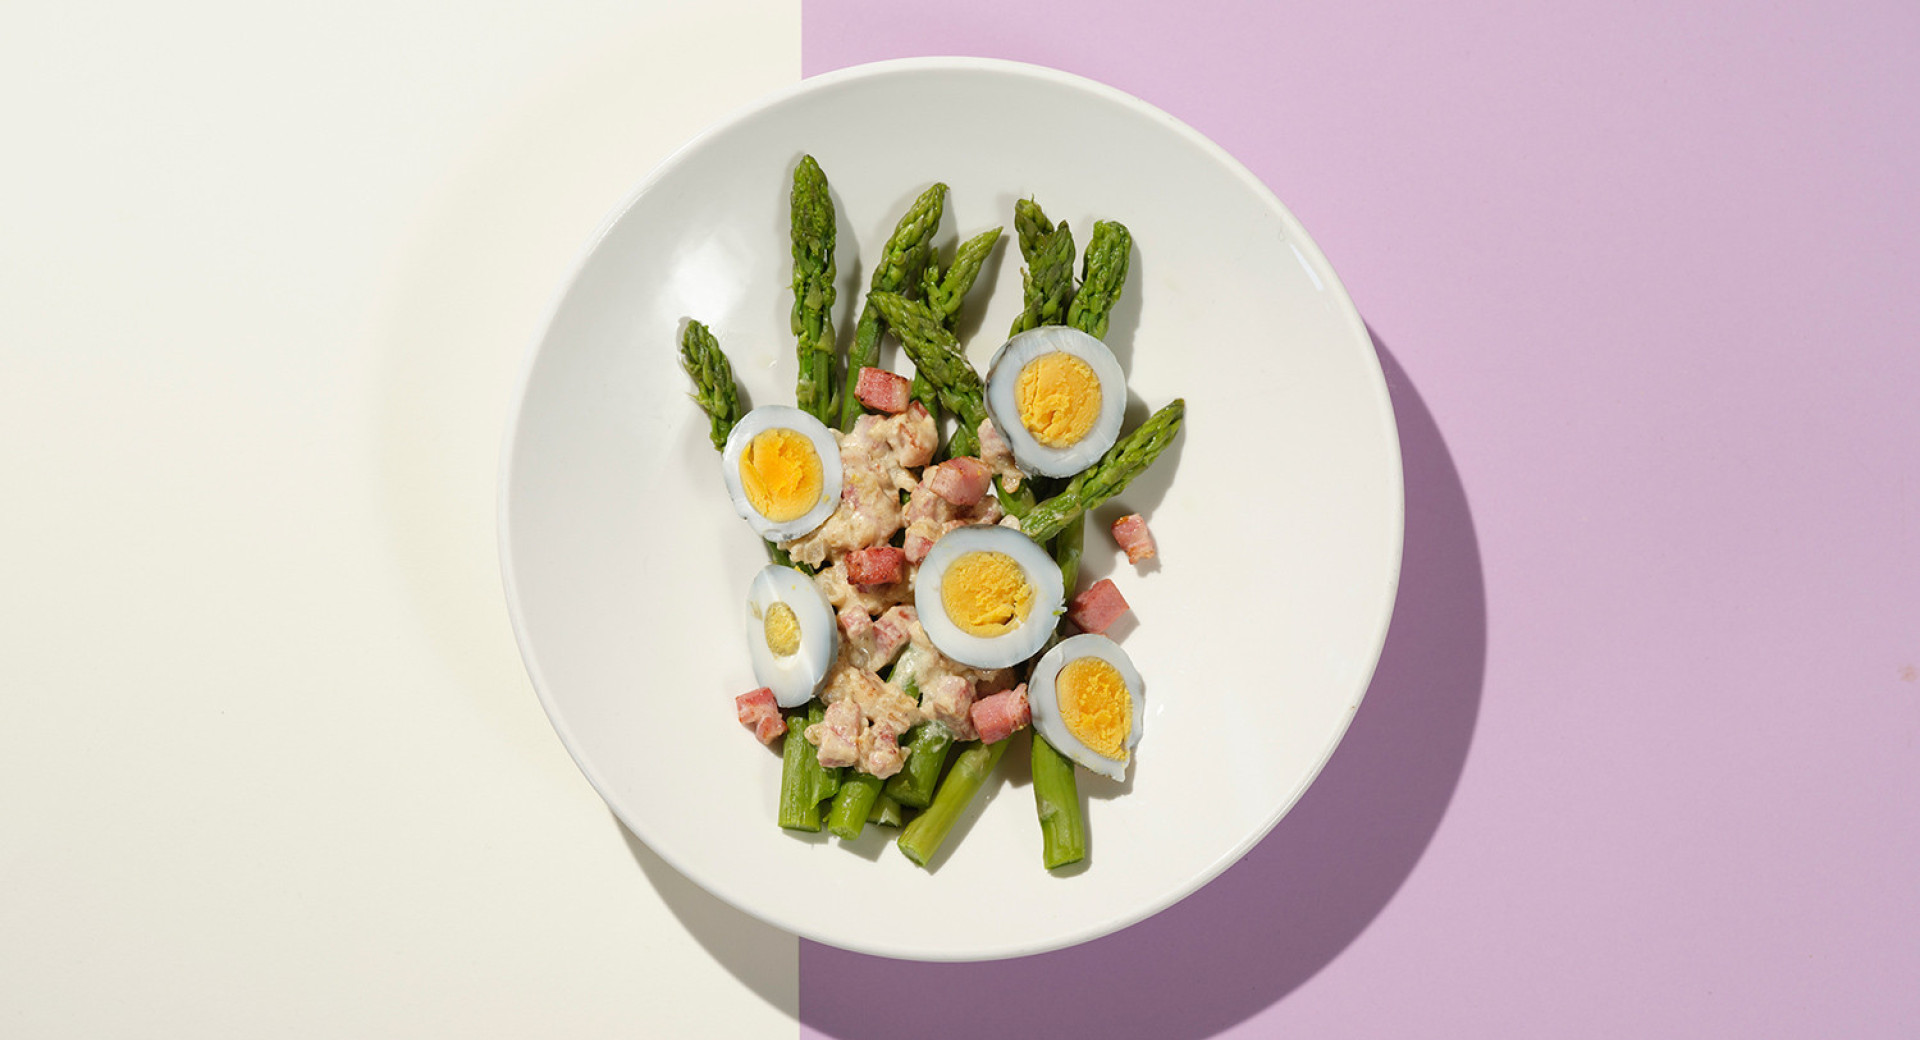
1095, 705
1058, 397
986, 594
782, 627
780, 473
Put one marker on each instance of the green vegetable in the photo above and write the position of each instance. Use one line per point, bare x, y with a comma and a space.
1103, 274
853, 803
713, 387
914, 784
945, 291
899, 269
923, 837
799, 809
1106, 478
813, 292
887, 812
1047, 282
1056, 797
937, 354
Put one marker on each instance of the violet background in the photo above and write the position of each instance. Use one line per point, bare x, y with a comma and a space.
1639, 759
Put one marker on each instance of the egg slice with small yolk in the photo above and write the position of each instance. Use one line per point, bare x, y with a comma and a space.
988, 596
792, 634
1087, 700
782, 468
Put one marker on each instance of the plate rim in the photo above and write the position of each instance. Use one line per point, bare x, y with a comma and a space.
1309, 250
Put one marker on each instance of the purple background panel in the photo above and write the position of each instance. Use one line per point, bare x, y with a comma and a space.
1640, 758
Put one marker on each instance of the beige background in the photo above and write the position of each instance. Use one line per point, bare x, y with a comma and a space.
270, 764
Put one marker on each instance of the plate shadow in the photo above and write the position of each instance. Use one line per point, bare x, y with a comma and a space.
1303, 894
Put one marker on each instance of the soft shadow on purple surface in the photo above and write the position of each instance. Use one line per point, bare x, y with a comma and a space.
1302, 895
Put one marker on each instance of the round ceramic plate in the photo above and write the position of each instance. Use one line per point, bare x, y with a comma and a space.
1278, 511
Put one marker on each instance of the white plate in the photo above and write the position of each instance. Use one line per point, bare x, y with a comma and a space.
1278, 512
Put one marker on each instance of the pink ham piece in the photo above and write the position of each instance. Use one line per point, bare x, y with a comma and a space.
962, 481
880, 565
1098, 607
891, 632
1132, 534
760, 714
918, 546
883, 391
838, 735
995, 718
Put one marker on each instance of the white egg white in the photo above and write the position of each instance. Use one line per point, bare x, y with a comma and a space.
795, 677
1004, 374
1022, 642
773, 417
1043, 700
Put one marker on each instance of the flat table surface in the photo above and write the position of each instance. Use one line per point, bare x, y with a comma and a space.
1639, 756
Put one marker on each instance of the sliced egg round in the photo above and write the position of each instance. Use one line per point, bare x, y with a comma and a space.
1058, 396
1086, 698
782, 468
988, 596
792, 636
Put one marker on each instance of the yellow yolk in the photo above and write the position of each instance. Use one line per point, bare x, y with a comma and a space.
781, 475
1058, 398
1095, 705
986, 594
782, 630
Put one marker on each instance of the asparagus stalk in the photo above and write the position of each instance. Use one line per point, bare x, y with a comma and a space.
922, 838
813, 234
1103, 274
853, 804
1109, 476
1056, 797
1047, 282
799, 809
886, 812
936, 354
899, 269
914, 784
945, 290
713, 387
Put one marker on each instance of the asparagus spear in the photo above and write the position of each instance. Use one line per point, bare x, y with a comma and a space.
902, 260
886, 812
1109, 476
1056, 797
799, 809
813, 291
1103, 273
922, 838
913, 785
945, 290
852, 804
713, 387
1047, 282
936, 354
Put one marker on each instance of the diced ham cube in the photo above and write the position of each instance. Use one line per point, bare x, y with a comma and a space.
854, 622
995, 718
948, 700
1132, 534
880, 565
758, 712
891, 632
881, 753
1098, 607
962, 481
838, 735
883, 391
917, 547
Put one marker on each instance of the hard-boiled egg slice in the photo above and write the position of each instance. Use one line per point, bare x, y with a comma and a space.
792, 636
1086, 699
988, 596
1057, 396
782, 468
